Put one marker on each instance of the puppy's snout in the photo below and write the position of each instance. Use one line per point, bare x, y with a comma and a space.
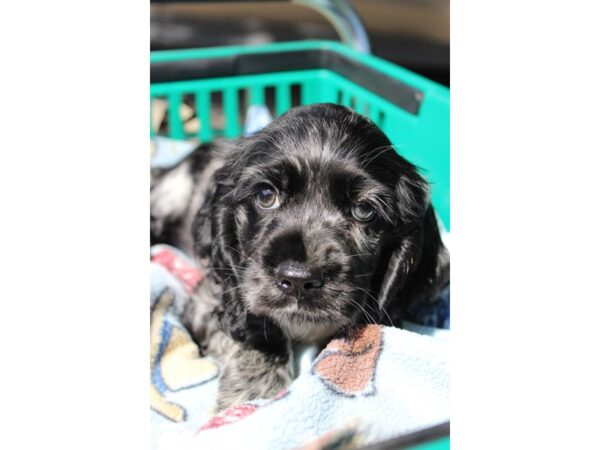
295, 278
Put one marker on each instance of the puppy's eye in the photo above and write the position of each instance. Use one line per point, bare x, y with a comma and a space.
267, 198
362, 211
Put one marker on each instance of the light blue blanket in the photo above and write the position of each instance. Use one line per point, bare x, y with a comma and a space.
373, 384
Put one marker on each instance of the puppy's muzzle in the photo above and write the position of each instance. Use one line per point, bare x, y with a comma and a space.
295, 278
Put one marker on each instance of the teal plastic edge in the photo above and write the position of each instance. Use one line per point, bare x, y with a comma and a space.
386, 67
440, 444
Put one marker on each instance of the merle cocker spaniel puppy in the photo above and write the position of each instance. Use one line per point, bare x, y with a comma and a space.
310, 226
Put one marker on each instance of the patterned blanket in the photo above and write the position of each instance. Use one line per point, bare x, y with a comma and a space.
372, 384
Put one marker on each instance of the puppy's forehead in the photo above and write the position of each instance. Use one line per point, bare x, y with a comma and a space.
325, 144
341, 177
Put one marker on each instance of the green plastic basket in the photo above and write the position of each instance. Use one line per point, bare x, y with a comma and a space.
414, 112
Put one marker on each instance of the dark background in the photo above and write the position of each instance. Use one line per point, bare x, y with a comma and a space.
412, 33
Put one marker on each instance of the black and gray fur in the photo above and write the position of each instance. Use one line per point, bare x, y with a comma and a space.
305, 269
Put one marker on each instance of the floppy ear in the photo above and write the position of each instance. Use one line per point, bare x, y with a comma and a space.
214, 226
414, 265
214, 234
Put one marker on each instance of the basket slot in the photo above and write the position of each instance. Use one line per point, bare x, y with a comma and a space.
381, 116
217, 117
270, 99
203, 112
283, 98
152, 128
361, 106
175, 123
231, 111
296, 91
345, 98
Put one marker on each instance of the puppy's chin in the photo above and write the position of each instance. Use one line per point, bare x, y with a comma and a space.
307, 323
306, 328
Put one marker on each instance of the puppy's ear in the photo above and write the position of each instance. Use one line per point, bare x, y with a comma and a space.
214, 226
215, 239
202, 226
413, 266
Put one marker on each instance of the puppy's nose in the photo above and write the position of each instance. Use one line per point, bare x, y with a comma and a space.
295, 278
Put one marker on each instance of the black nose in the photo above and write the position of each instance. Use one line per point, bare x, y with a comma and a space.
296, 278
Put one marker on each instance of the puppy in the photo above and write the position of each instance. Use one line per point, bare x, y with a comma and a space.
309, 227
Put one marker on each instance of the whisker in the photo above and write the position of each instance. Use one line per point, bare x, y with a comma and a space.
229, 290
220, 269
248, 257
265, 328
354, 302
359, 254
363, 310
379, 308
229, 265
363, 275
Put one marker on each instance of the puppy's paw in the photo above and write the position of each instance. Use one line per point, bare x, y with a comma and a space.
250, 375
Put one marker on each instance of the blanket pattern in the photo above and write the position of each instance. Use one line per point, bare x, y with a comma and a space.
175, 362
347, 365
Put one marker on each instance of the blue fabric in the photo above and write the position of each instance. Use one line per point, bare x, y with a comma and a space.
435, 314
